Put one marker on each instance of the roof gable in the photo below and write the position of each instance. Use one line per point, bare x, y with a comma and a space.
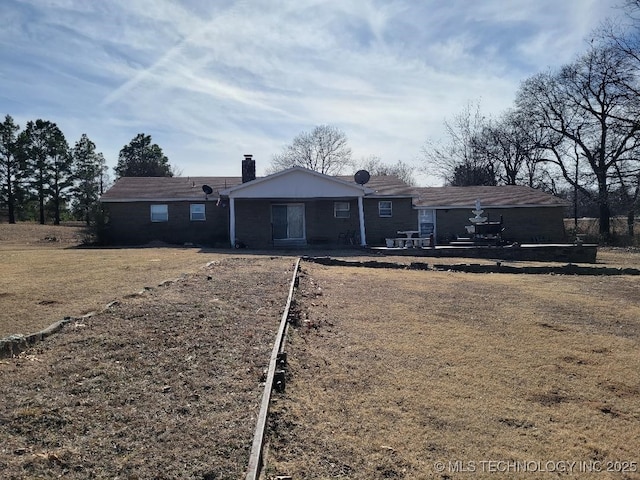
297, 182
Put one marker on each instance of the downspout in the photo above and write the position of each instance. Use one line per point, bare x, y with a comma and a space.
363, 238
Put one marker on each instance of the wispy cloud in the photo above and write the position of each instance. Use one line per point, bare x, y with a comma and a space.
213, 80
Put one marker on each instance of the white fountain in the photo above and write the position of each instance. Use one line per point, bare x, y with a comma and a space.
477, 219
478, 212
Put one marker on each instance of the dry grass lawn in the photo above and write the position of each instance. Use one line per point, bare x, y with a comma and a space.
393, 371
45, 277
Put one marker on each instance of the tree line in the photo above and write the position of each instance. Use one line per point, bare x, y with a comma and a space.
574, 131
43, 178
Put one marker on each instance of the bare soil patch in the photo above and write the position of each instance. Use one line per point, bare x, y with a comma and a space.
165, 384
392, 371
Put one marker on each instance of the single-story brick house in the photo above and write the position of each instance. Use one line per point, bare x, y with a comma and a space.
297, 207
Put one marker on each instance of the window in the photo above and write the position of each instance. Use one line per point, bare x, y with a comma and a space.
385, 208
197, 212
159, 213
341, 209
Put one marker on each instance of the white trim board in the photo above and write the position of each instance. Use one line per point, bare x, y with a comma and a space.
299, 183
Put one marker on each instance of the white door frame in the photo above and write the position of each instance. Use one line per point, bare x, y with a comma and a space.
433, 217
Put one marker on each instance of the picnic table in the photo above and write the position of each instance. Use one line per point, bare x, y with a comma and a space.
409, 238
409, 241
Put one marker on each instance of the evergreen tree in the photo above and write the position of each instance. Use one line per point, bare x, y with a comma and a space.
140, 158
48, 162
10, 168
88, 170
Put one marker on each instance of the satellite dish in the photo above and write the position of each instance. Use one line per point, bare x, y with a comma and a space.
361, 177
207, 189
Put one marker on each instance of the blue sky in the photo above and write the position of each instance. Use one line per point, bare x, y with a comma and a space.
211, 80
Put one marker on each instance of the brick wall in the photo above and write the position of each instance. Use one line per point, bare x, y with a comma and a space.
523, 225
253, 223
324, 228
404, 217
130, 224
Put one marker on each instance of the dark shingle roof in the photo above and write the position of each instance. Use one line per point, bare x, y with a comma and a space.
456, 197
165, 188
129, 189
190, 188
500, 196
383, 183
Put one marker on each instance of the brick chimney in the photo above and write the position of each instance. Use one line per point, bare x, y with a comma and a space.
248, 169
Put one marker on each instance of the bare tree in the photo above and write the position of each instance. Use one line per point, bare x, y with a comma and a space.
325, 149
623, 37
590, 118
400, 169
510, 145
627, 187
459, 161
623, 34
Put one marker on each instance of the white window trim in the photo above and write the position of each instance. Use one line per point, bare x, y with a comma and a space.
381, 208
346, 211
202, 213
159, 216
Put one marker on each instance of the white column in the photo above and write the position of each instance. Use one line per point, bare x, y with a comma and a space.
232, 221
363, 238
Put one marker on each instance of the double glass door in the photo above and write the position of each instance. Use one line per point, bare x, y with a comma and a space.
287, 221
